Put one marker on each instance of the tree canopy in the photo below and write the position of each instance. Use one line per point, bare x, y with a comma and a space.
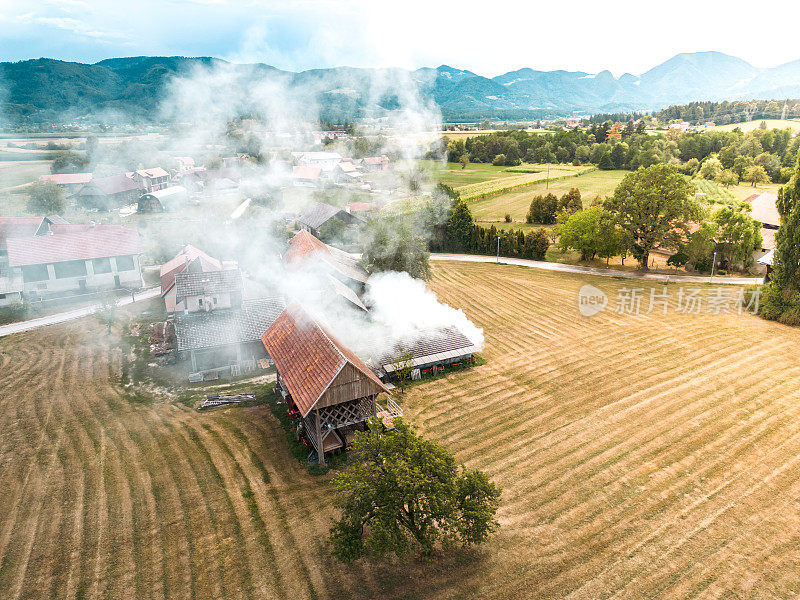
46, 198
653, 206
391, 243
405, 493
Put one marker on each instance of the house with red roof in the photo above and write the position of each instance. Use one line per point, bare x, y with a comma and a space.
57, 258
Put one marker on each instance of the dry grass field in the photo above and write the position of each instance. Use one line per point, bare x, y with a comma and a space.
641, 457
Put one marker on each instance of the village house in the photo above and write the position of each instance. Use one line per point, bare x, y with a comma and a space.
325, 384
188, 260
151, 180
376, 163
11, 284
109, 193
320, 213
764, 210
60, 259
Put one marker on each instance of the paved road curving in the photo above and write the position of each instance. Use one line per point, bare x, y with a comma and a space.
77, 313
551, 266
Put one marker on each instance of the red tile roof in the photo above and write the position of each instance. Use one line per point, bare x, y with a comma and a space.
18, 227
67, 178
73, 242
299, 172
359, 206
179, 262
308, 358
305, 250
152, 173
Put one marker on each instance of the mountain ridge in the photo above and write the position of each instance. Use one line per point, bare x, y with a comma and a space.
49, 89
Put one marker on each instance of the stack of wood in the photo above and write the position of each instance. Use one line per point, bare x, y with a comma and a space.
162, 338
213, 400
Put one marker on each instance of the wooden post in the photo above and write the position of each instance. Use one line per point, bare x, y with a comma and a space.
320, 444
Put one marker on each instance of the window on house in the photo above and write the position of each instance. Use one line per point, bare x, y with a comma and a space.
125, 263
199, 302
101, 265
31, 273
70, 268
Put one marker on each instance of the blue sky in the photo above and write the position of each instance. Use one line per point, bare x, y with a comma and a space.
486, 37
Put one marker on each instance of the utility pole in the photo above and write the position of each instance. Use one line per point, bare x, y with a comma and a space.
713, 263
547, 187
498, 249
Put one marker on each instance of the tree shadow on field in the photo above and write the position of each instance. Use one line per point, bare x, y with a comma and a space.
416, 577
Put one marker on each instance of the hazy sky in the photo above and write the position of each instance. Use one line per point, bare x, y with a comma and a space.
487, 37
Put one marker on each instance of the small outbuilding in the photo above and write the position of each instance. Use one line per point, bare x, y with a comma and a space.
163, 200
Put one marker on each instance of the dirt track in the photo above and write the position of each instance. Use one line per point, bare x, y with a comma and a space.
643, 456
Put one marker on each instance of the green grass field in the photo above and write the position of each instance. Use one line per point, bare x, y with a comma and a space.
516, 203
14, 173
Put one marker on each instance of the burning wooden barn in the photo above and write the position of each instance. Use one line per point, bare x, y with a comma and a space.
428, 354
328, 388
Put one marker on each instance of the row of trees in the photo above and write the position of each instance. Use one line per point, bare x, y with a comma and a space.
628, 147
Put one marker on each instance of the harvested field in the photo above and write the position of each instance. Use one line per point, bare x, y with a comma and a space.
640, 456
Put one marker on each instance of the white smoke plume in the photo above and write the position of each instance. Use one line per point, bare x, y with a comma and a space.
279, 116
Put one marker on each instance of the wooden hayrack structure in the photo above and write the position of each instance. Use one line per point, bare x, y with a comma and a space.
331, 388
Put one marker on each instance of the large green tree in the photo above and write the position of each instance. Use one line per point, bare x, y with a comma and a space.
781, 297
653, 206
392, 243
737, 236
46, 198
405, 493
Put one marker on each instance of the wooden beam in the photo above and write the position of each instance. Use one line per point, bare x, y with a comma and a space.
320, 444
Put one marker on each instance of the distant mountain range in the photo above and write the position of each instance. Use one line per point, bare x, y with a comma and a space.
132, 88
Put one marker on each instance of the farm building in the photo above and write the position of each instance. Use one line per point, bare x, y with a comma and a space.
325, 384
306, 252
151, 180
108, 193
226, 342
320, 213
69, 182
11, 284
59, 258
428, 353
188, 260
166, 199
